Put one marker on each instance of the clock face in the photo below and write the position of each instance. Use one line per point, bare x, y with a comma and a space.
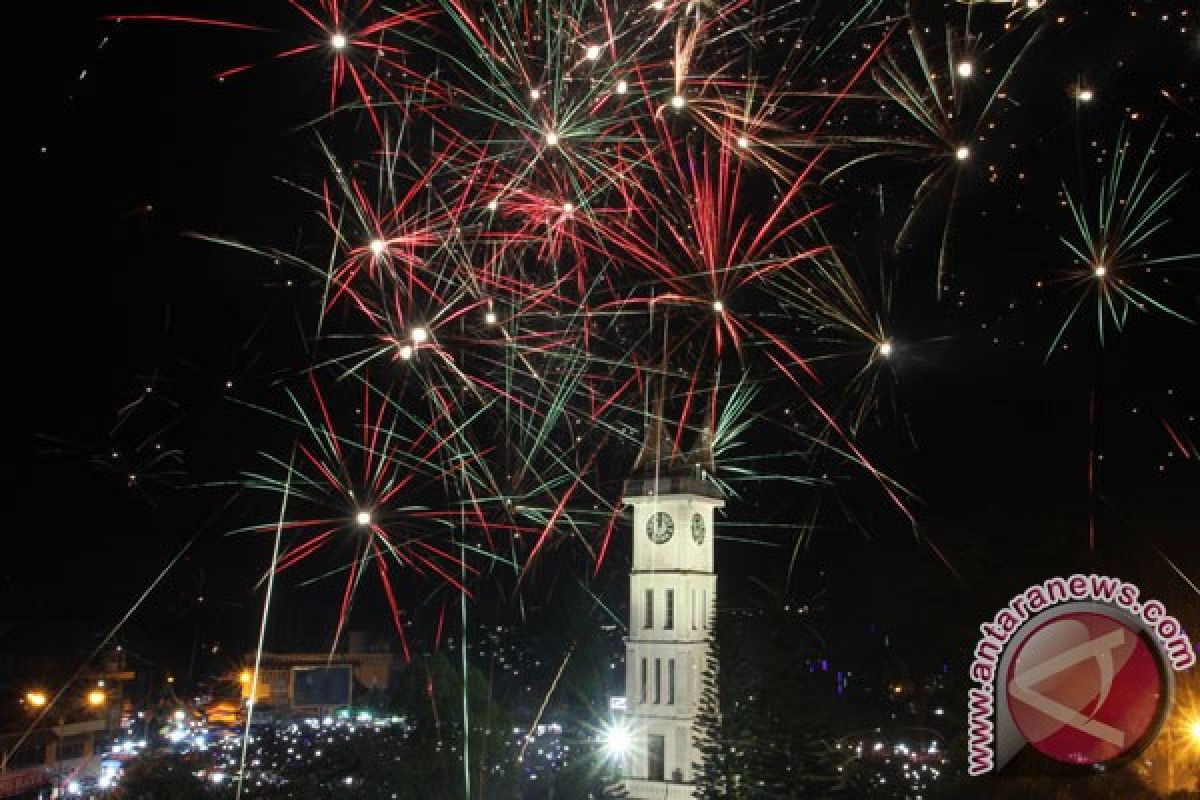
660, 527
698, 528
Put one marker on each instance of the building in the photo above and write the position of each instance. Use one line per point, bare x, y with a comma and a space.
317, 683
64, 744
672, 589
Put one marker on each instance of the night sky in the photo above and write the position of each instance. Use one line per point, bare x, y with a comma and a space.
132, 337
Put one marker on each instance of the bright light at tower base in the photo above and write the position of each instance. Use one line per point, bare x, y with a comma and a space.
617, 741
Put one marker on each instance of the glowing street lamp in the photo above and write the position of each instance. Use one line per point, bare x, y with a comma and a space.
363, 518
338, 41
36, 698
96, 698
618, 741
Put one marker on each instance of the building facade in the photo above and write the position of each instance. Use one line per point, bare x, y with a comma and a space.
672, 591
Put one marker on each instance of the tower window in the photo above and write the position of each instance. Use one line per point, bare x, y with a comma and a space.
669, 616
670, 681
657, 681
649, 609
643, 681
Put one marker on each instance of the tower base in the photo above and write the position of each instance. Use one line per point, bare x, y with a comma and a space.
642, 789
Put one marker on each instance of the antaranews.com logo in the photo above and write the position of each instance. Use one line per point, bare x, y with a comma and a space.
1080, 668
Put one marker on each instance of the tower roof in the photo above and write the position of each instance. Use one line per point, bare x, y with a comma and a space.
660, 469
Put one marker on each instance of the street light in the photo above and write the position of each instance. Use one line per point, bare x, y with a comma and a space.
36, 698
618, 740
96, 698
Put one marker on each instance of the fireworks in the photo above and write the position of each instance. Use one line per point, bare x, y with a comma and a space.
547, 222
1110, 238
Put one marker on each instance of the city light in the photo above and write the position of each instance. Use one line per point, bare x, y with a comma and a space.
885, 350
338, 41
965, 69
1194, 731
245, 676
618, 740
962, 153
593, 52
96, 697
363, 518
678, 101
36, 698
420, 335
622, 87
551, 139
378, 246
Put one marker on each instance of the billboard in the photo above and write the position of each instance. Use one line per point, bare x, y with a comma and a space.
322, 686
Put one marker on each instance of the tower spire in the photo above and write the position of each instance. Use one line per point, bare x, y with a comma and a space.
656, 447
702, 456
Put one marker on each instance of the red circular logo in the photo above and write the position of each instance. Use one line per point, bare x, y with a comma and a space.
1084, 688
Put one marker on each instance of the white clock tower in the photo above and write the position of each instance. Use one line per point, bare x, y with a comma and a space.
672, 591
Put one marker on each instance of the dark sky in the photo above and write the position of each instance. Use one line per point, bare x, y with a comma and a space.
125, 143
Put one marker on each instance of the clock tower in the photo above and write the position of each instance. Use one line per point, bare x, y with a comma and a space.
672, 592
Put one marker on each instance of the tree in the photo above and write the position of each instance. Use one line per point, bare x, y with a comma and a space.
767, 718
